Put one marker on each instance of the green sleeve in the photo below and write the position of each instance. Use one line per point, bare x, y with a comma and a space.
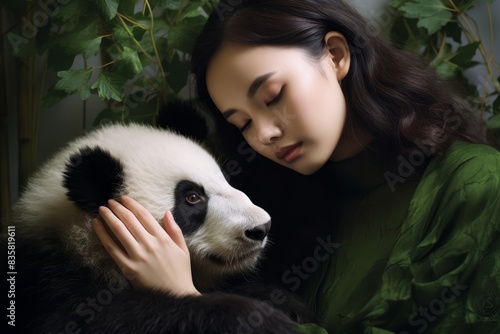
444, 273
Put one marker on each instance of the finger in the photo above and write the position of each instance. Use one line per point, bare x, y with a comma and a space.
144, 216
109, 244
174, 231
133, 223
120, 230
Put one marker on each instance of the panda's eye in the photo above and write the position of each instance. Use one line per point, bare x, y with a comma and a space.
193, 198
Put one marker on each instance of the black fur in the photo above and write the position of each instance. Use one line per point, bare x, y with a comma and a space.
183, 117
92, 176
55, 294
189, 216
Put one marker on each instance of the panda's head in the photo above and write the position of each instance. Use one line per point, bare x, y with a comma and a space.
224, 231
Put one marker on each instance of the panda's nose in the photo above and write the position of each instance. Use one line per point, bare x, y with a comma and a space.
259, 232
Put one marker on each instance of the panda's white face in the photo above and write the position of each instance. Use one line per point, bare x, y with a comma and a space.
224, 230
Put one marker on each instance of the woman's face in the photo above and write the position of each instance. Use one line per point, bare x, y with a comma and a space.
289, 107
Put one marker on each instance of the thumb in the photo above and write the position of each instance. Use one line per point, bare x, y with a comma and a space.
174, 231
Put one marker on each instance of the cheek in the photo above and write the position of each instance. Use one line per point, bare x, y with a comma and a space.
321, 107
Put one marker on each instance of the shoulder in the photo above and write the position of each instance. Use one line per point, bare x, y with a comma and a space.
465, 164
464, 152
464, 182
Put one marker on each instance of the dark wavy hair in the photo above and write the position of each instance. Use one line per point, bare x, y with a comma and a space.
395, 95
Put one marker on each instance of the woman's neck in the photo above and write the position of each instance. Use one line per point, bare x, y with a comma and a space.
352, 141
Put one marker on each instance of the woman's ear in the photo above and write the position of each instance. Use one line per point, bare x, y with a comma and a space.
338, 53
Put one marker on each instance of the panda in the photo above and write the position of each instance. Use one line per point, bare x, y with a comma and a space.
67, 283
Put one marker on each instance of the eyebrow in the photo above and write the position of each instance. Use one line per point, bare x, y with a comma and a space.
254, 86
258, 82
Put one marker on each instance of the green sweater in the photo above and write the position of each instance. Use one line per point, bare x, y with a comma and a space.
419, 256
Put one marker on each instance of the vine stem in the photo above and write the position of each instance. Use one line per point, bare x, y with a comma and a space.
84, 102
492, 34
133, 22
151, 34
136, 42
107, 64
471, 31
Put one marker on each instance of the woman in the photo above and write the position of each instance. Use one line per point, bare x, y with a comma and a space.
310, 88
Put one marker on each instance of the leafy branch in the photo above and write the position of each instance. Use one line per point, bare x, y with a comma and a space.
438, 29
143, 45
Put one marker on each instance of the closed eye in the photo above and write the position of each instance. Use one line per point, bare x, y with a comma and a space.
246, 125
277, 98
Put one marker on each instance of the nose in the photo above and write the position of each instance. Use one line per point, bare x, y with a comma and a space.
268, 131
259, 232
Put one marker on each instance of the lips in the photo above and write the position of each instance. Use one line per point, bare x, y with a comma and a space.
289, 153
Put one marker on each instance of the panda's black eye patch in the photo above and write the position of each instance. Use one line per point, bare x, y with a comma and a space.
191, 204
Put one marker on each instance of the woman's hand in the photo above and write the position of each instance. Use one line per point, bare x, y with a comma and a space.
149, 256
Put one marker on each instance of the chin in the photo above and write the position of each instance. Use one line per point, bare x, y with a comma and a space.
306, 169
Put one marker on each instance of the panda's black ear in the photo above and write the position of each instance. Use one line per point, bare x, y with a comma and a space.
183, 117
92, 176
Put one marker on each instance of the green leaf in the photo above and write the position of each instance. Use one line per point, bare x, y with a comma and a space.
109, 86
123, 38
422, 9
53, 97
58, 60
85, 40
496, 110
126, 7
107, 7
405, 33
493, 122
431, 14
454, 31
71, 10
75, 81
160, 39
446, 69
177, 74
128, 63
465, 5
182, 36
193, 10
464, 54
44, 39
398, 3
435, 22
170, 4
442, 61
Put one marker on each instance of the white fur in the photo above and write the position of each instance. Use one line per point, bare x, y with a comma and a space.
154, 162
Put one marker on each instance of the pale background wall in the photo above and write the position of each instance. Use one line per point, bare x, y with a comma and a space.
64, 122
